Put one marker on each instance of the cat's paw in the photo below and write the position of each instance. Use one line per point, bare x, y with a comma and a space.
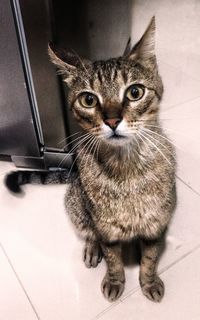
155, 290
112, 290
92, 254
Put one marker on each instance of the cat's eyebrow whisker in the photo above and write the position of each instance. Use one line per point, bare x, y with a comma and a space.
155, 146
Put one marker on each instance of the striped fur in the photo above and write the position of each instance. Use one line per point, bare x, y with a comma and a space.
125, 184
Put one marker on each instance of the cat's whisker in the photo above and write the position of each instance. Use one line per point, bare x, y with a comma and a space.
99, 144
145, 143
91, 162
94, 147
163, 137
78, 154
170, 119
175, 119
175, 131
78, 138
155, 146
73, 149
89, 151
157, 141
86, 148
74, 161
139, 148
136, 140
86, 154
68, 137
92, 129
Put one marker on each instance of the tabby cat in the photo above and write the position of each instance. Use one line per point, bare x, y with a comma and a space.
124, 187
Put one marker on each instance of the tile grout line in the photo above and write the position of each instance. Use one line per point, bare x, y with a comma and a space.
188, 185
179, 104
20, 282
179, 259
179, 70
102, 313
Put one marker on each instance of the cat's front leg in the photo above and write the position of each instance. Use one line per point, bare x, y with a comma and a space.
92, 253
113, 283
151, 285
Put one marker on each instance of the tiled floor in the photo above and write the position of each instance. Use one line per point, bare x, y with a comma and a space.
41, 272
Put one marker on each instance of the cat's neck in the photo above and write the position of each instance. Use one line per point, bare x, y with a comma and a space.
120, 161
123, 160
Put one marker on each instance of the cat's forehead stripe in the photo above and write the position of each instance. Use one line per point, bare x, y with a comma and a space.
109, 72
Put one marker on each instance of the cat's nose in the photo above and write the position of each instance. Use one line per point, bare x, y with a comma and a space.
112, 123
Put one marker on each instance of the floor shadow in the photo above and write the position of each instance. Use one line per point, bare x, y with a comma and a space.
131, 254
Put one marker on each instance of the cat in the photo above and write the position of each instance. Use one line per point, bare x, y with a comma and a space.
124, 186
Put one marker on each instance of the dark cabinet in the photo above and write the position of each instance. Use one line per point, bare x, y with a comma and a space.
34, 116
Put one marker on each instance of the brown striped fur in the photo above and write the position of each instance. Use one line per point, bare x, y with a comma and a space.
125, 188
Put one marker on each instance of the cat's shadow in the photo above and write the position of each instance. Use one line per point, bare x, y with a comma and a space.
131, 253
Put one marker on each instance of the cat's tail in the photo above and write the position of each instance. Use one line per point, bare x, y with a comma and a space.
14, 180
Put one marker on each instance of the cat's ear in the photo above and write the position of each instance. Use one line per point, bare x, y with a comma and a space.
144, 49
61, 59
128, 47
67, 62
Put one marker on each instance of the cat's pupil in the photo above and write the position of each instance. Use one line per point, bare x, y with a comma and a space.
89, 99
135, 92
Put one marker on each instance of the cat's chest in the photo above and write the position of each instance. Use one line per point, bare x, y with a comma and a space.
125, 210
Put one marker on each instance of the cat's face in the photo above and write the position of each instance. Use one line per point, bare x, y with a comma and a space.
113, 99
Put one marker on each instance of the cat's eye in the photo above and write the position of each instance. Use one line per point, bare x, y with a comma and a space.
135, 92
88, 100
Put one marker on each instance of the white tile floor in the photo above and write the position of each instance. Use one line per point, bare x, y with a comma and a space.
41, 272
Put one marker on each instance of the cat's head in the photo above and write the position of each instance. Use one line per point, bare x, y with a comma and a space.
113, 99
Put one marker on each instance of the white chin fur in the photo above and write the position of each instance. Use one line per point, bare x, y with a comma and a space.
122, 130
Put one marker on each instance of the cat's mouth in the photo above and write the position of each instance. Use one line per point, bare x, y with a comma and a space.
117, 136
117, 139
